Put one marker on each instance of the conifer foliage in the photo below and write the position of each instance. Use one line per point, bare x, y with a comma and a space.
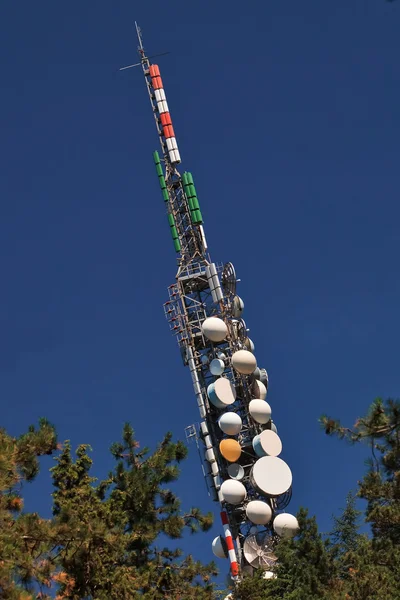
347, 565
102, 541
344, 535
305, 569
25, 539
375, 572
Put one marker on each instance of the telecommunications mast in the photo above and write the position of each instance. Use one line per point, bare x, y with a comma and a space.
240, 444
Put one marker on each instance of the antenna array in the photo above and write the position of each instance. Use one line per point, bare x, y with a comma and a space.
240, 447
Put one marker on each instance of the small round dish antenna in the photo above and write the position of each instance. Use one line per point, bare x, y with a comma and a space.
228, 279
239, 326
235, 471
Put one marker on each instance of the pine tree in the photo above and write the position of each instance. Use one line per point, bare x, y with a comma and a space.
344, 536
113, 526
254, 587
305, 569
344, 539
349, 566
102, 542
25, 539
376, 568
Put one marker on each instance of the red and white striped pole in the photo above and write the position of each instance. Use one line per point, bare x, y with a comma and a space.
165, 117
229, 545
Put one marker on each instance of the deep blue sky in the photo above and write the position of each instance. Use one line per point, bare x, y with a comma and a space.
288, 115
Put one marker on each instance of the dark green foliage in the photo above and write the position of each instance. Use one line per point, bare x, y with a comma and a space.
305, 568
117, 522
348, 566
380, 487
101, 543
24, 538
345, 539
374, 564
254, 588
356, 573
344, 535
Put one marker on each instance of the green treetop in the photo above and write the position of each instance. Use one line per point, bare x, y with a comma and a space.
24, 538
375, 570
304, 571
102, 542
114, 526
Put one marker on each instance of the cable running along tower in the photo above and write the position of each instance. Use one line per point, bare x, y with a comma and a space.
239, 446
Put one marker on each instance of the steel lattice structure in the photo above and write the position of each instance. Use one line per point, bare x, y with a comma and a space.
240, 445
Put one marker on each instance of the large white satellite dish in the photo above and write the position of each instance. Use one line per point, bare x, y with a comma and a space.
271, 476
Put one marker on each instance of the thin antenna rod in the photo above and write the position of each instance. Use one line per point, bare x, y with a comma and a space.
141, 62
139, 34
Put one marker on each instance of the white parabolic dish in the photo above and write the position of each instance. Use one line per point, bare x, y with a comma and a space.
244, 362
270, 442
233, 491
237, 307
262, 389
260, 410
249, 345
217, 548
286, 525
230, 423
225, 391
221, 393
271, 476
258, 512
214, 329
217, 367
